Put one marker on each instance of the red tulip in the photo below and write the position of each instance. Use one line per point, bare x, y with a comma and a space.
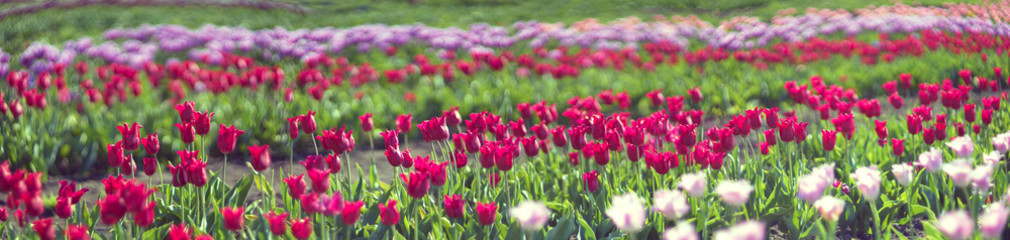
715, 160
452, 116
311, 204
987, 116
201, 122
178, 174
695, 94
145, 216
227, 136
44, 228
131, 136
314, 162
185, 132
417, 183
634, 152
111, 209
390, 216
293, 127
969, 112
896, 100
391, 138
459, 159
959, 127
337, 141
403, 123
898, 146
407, 161
591, 180
487, 213
351, 212
77, 232
965, 75
179, 232
307, 122
844, 124
366, 122
278, 222
393, 156
332, 163
503, 157
828, 139
186, 111
573, 158
940, 130
150, 144
116, 157
301, 228
196, 173
150, 166
454, 206
320, 180
22, 218
62, 207
763, 146
928, 135
260, 157
234, 218
128, 166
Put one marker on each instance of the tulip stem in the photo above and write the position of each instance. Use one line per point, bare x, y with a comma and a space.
224, 170
876, 220
313, 135
291, 158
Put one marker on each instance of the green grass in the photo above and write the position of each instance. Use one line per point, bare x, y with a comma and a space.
58, 25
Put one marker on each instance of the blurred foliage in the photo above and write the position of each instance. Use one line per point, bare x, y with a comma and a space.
56, 26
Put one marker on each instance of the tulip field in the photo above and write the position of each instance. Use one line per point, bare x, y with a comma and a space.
870, 122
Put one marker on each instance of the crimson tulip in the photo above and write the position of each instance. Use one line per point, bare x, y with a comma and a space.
307, 122
186, 111
77, 232
403, 123
828, 139
351, 212
293, 127
185, 132
417, 183
150, 144
332, 163
259, 157
454, 206
116, 157
320, 180
44, 228
366, 122
201, 122
592, 181
145, 216
131, 136
301, 228
277, 222
234, 218
390, 216
487, 213
179, 232
227, 136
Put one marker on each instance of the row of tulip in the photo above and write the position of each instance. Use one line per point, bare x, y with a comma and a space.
425, 77
139, 45
584, 178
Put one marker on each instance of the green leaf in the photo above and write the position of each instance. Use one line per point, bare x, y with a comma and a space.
564, 229
587, 231
156, 233
237, 195
514, 231
373, 211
